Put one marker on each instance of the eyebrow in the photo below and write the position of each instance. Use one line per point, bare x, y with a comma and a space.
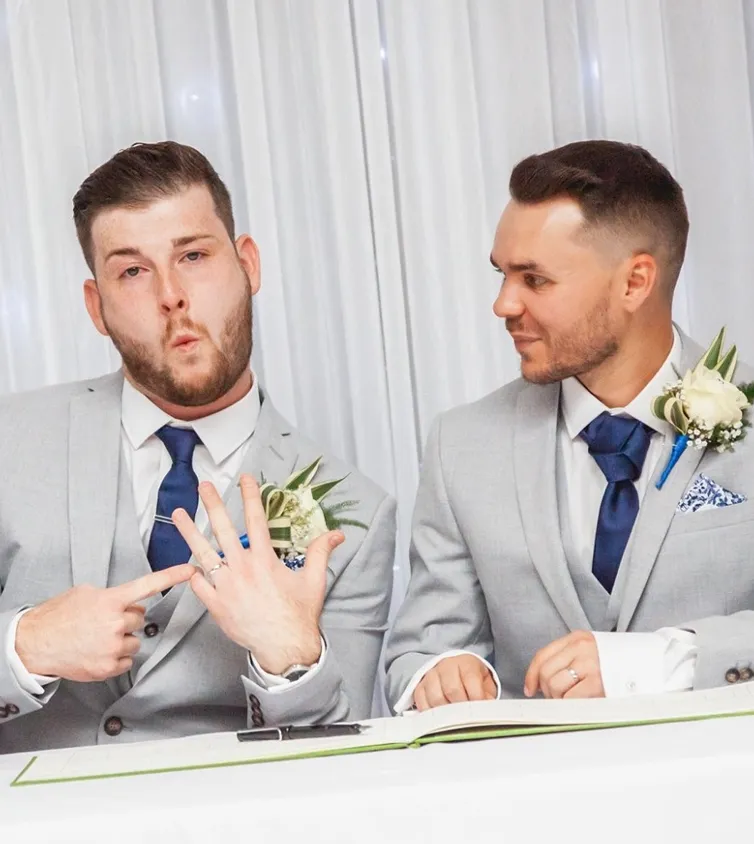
127, 251
190, 238
133, 252
522, 267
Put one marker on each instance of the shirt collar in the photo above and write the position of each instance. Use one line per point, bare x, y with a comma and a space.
222, 432
579, 407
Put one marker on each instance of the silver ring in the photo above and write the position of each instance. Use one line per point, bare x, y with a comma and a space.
574, 674
219, 566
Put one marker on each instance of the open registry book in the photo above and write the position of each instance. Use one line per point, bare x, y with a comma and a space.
455, 722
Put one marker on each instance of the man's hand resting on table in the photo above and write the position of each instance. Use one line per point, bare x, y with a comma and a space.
454, 680
568, 667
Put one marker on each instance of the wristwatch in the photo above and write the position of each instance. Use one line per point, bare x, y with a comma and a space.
295, 672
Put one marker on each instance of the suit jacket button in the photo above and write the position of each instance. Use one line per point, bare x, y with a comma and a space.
113, 726
257, 719
732, 675
3, 711
746, 674
253, 700
151, 630
12, 709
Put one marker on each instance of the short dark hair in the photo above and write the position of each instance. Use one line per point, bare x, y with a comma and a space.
141, 174
619, 186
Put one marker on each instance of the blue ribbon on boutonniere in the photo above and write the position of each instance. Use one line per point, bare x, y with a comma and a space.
679, 446
704, 407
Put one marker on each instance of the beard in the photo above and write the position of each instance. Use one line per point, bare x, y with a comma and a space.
228, 360
577, 352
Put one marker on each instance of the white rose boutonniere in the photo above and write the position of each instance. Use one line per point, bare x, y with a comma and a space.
297, 513
712, 400
704, 407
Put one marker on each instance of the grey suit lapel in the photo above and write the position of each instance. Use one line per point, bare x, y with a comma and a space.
270, 454
657, 510
93, 464
535, 443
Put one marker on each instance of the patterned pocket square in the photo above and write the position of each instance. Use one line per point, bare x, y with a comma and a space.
704, 494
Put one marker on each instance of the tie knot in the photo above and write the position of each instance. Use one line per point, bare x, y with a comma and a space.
618, 444
180, 442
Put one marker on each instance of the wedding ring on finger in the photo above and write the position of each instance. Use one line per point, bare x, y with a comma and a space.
574, 674
211, 572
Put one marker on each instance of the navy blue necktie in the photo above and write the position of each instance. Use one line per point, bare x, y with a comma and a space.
179, 488
619, 445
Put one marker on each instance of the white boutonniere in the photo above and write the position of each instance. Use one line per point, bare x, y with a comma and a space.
704, 406
297, 513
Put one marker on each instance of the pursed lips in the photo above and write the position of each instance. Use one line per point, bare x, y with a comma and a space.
184, 341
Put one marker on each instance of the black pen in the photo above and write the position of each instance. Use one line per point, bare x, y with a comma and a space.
293, 732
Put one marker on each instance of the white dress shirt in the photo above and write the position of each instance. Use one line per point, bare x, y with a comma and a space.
225, 438
631, 663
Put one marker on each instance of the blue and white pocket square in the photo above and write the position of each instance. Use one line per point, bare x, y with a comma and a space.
705, 494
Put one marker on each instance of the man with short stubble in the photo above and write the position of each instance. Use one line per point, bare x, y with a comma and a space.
107, 633
545, 560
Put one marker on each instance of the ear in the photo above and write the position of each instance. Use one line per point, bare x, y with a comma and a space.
93, 302
641, 281
248, 255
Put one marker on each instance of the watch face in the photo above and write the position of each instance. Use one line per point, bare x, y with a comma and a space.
295, 674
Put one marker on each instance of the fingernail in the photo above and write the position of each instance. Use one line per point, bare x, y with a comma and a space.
527, 692
336, 539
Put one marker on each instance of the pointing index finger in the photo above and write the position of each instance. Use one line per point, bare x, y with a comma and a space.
150, 584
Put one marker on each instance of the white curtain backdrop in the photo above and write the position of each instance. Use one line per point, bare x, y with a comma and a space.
367, 145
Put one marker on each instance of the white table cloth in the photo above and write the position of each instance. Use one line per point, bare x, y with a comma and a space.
690, 782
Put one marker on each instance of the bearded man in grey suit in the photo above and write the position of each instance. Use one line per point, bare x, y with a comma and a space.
545, 560
101, 638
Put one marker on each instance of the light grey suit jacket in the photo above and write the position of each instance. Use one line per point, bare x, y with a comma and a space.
488, 567
67, 517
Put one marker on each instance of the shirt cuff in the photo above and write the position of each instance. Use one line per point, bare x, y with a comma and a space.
646, 663
406, 700
32, 684
274, 682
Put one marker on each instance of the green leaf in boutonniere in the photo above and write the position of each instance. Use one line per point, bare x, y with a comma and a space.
297, 513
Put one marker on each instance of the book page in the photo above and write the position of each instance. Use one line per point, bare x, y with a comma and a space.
625, 710
204, 751
223, 749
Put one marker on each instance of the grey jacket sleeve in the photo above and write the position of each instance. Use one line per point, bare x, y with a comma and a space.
723, 643
15, 701
444, 608
353, 623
